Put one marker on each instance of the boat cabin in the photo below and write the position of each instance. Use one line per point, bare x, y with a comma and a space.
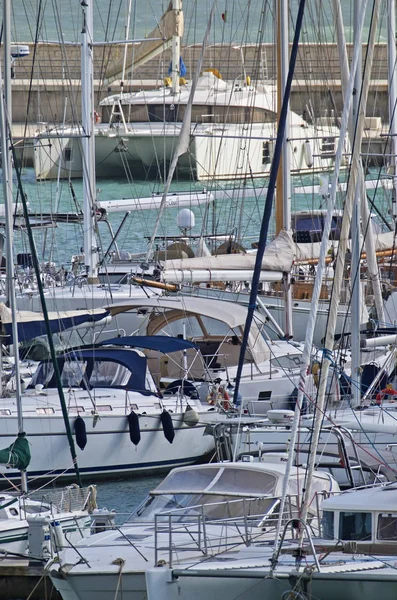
363, 520
131, 363
308, 226
213, 326
98, 368
229, 490
215, 101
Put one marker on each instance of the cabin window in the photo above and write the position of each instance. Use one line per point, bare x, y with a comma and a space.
216, 327
327, 525
76, 409
387, 527
233, 481
73, 373
265, 395
67, 154
103, 408
214, 506
45, 410
265, 153
5, 412
355, 526
169, 113
106, 373
287, 362
176, 328
327, 147
34, 509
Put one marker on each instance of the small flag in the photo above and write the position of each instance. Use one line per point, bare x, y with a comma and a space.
224, 16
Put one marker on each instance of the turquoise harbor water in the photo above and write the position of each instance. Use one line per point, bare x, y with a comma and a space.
241, 211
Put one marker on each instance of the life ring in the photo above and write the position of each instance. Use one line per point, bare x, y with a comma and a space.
387, 391
225, 399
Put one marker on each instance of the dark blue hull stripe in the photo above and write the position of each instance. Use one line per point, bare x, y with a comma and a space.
110, 469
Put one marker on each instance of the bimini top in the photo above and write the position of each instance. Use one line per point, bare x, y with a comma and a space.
229, 313
97, 368
162, 343
234, 315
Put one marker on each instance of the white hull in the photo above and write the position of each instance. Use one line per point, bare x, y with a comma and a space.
102, 586
109, 450
14, 533
215, 151
255, 584
372, 429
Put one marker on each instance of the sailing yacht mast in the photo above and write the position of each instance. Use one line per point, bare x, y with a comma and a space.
355, 232
176, 48
8, 104
7, 191
373, 271
283, 193
88, 141
391, 63
340, 259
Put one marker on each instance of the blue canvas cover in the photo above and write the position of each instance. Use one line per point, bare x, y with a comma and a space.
161, 343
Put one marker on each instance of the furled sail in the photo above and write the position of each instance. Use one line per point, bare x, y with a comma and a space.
16, 456
279, 257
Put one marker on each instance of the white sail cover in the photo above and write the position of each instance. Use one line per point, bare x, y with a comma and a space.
279, 256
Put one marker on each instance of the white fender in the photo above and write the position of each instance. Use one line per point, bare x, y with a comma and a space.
58, 535
308, 154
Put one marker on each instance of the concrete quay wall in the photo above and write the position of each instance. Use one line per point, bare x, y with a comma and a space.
47, 84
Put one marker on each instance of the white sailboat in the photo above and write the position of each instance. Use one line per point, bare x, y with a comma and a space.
108, 390
142, 128
195, 512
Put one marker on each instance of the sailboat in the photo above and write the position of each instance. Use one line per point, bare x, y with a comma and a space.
194, 512
141, 128
111, 402
352, 520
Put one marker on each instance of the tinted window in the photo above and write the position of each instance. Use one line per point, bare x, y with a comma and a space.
355, 526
